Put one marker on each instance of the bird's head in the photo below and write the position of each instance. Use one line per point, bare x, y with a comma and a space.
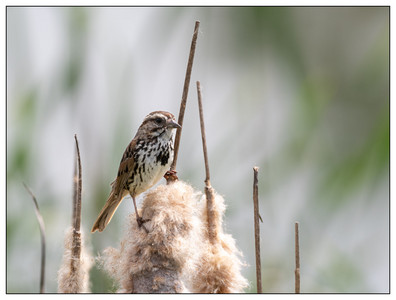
159, 123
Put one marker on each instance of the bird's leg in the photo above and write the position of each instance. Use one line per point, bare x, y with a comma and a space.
139, 219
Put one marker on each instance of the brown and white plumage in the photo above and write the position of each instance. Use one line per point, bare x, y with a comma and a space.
144, 162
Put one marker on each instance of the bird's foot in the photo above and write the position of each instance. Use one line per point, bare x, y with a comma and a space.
171, 176
141, 222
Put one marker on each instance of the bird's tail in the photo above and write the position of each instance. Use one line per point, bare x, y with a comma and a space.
107, 212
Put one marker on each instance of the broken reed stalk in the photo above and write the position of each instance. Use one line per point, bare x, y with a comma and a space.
257, 229
185, 94
77, 186
73, 274
297, 253
77, 189
201, 118
208, 189
42, 234
207, 179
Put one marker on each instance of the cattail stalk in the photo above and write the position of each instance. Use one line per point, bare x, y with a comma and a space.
297, 256
73, 275
218, 266
209, 192
76, 252
42, 235
185, 94
257, 230
203, 135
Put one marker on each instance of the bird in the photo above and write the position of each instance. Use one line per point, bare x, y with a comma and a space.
145, 161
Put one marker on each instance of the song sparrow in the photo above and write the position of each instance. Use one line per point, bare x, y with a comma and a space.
146, 159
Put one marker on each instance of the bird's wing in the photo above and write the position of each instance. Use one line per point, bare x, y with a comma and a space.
127, 165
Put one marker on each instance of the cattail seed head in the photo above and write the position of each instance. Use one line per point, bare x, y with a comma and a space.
73, 275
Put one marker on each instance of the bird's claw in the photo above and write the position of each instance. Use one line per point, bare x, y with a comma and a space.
141, 221
171, 176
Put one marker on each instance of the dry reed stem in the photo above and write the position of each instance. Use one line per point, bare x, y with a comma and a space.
218, 267
209, 192
201, 118
73, 275
184, 96
42, 235
257, 230
77, 184
297, 254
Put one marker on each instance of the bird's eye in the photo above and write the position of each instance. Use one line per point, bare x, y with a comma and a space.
158, 121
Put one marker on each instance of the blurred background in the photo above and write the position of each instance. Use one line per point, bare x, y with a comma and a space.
301, 92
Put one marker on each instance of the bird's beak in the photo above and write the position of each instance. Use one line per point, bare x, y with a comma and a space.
172, 124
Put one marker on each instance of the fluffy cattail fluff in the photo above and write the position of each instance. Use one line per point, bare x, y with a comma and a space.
177, 252
73, 275
218, 269
155, 261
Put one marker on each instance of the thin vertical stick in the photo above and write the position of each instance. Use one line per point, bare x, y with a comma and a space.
42, 234
257, 230
297, 252
77, 189
185, 94
212, 226
201, 117
77, 184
